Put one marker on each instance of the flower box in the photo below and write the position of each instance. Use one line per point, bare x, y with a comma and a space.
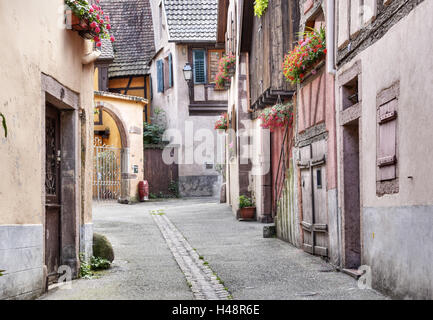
305, 57
81, 26
89, 20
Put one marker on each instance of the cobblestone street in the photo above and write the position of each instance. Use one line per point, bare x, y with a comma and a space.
196, 249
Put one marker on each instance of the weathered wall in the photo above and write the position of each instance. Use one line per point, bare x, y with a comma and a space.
396, 228
50, 49
194, 177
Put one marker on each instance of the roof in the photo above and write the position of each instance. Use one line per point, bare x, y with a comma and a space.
107, 50
132, 27
192, 20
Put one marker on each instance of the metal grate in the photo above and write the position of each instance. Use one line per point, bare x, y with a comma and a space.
107, 172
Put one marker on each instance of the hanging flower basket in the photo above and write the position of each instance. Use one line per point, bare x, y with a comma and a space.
222, 122
305, 56
226, 69
277, 116
89, 20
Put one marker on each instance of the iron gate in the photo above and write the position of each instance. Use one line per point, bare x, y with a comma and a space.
107, 171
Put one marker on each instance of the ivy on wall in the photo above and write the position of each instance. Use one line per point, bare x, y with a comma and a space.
4, 124
260, 7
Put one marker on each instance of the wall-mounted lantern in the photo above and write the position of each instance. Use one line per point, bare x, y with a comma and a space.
187, 72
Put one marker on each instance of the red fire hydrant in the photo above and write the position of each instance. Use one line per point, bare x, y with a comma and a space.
143, 190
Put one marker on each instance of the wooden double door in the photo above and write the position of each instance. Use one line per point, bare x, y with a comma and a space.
53, 191
314, 223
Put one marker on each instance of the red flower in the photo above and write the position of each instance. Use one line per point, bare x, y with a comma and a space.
99, 44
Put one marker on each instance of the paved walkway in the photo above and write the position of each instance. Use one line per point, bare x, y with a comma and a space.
196, 249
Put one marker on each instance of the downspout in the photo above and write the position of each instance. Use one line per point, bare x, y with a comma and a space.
90, 55
330, 36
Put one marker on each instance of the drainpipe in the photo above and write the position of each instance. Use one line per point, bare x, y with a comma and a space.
90, 55
330, 35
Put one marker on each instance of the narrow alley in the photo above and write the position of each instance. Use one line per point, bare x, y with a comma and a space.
249, 266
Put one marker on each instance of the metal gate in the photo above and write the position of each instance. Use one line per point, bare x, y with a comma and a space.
107, 171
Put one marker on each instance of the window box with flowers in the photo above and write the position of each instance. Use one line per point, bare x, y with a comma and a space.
306, 56
278, 116
226, 69
222, 122
89, 20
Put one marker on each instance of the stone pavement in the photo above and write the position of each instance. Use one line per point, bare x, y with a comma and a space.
196, 249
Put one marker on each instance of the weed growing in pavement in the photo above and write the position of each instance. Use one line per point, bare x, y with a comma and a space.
159, 212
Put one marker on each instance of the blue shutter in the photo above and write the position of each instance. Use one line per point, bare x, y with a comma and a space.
199, 61
160, 70
170, 70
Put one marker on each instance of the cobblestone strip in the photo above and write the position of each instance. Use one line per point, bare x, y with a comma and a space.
204, 284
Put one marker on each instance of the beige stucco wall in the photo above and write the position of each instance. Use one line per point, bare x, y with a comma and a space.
400, 56
34, 42
396, 232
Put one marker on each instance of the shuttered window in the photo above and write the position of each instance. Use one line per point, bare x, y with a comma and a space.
199, 61
387, 151
160, 75
170, 71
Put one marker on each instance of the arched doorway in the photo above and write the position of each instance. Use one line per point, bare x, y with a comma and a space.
111, 153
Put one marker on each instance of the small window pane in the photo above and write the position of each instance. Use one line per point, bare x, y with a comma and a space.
199, 67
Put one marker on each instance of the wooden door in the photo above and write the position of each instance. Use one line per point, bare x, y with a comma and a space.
314, 205
52, 188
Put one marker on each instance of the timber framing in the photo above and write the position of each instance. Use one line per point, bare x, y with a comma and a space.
387, 17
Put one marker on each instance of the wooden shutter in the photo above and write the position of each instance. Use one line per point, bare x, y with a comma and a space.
170, 70
199, 66
387, 150
160, 70
103, 78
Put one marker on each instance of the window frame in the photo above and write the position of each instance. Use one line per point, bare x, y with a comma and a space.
204, 67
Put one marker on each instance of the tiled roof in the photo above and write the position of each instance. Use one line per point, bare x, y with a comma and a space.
133, 29
107, 51
192, 20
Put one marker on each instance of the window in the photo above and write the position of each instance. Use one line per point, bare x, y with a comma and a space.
213, 59
160, 75
387, 141
199, 62
170, 71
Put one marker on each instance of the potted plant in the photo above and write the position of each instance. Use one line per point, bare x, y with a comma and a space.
305, 56
247, 208
277, 116
222, 122
89, 20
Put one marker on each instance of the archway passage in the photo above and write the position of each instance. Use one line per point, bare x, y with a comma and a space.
110, 142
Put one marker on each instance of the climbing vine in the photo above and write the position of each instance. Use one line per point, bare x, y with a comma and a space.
4, 124
260, 7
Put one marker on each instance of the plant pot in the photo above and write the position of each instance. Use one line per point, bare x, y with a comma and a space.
82, 26
248, 213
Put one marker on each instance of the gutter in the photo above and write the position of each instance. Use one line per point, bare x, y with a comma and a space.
330, 36
90, 55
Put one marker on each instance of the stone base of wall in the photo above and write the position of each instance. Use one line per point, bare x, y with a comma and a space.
199, 186
22, 256
398, 248
86, 240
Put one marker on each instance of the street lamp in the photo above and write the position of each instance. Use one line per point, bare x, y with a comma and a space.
187, 72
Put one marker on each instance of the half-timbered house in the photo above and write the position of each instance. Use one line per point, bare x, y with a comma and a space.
185, 38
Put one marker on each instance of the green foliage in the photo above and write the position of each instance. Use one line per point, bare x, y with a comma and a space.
4, 124
260, 7
153, 132
245, 202
1, 272
96, 264
153, 196
174, 188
